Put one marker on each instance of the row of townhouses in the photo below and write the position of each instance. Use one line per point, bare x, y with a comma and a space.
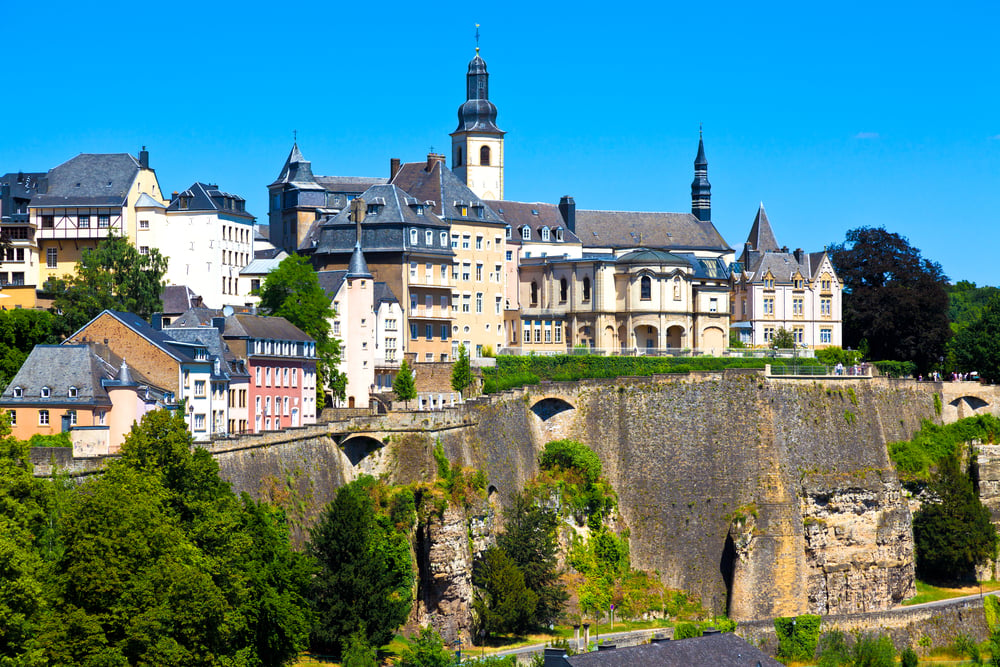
416, 263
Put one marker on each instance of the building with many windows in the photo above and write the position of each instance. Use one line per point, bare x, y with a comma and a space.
776, 289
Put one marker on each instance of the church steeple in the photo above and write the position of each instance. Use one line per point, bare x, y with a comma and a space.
701, 189
477, 142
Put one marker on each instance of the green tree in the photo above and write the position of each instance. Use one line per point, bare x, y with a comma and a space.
461, 371
952, 531
893, 298
783, 339
114, 275
365, 577
357, 652
404, 386
976, 346
503, 604
292, 291
530, 539
163, 564
965, 300
427, 649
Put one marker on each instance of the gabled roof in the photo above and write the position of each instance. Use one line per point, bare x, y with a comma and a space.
535, 215
631, 229
211, 339
383, 294
331, 281
194, 317
433, 181
761, 236
178, 299
259, 326
155, 337
145, 201
89, 179
203, 197
782, 265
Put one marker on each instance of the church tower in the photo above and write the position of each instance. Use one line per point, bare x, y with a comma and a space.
701, 189
477, 144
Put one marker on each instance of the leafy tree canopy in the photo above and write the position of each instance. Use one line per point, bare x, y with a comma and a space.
893, 298
365, 578
783, 339
952, 533
21, 330
292, 291
976, 346
427, 649
113, 275
461, 372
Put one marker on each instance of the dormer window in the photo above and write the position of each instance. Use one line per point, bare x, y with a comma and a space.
72, 392
559, 234
463, 211
46, 392
18, 392
429, 237
413, 237
419, 208
545, 233
373, 209
526, 233
510, 232
444, 239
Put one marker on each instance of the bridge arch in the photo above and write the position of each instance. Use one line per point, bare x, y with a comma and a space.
547, 408
358, 447
967, 406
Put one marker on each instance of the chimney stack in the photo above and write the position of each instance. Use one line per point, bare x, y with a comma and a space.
567, 209
393, 168
156, 321
432, 158
144, 158
798, 255
219, 323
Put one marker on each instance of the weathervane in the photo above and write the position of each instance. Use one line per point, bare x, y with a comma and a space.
477, 38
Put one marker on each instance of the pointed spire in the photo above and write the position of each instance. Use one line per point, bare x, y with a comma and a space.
297, 169
124, 377
701, 189
358, 268
761, 236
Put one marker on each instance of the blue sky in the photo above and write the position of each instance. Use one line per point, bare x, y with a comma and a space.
834, 115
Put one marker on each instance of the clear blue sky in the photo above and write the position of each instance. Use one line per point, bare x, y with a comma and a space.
835, 115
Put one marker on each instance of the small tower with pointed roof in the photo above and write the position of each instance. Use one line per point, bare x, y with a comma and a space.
477, 143
292, 202
701, 189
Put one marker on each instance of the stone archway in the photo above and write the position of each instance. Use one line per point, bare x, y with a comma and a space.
675, 336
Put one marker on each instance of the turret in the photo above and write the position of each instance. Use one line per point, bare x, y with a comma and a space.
701, 189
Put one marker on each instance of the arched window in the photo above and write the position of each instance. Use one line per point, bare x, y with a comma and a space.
677, 288
545, 233
645, 288
526, 233
458, 156
444, 239
413, 237
428, 237
45, 392
586, 288
534, 293
563, 289
484, 156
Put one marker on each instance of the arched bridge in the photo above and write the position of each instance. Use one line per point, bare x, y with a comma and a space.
966, 399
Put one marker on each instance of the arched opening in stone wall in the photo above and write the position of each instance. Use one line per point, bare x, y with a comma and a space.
547, 408
357, 448
727, 566
967, 406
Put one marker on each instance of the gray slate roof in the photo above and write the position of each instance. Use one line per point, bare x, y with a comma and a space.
259, 326
207, 197
260, 266
433, 181
349, 185
59, 367
647, 256
194, 317
140, 326
23, 185
535, 215
720, 650
89, 179
211, 339
761, 237
383, 294
178, 299
630, 229
331, 281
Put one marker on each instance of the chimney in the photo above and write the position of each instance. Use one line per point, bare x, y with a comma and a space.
798, 255
173, 195
219, 323
156, 321
554, 657
567, 209
393, 168
432, 158
144, 158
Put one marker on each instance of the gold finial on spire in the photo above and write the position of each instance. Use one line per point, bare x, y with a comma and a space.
477, 39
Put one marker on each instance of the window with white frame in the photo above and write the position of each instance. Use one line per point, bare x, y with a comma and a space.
413, 237
526, 233
826, 335
43, 417
51, 258
46, 392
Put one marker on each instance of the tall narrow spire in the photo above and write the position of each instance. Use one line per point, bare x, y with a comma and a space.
701, 189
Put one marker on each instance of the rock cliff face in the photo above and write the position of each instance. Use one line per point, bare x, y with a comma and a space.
763, 497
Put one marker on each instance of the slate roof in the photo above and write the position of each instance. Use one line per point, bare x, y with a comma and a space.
331, 281
358, 267
382, 231
647, 256
89, 179
194, 317
145, 201
630, 229
761, 237
383, 294
140, 326
433, 181
208, 197
720, 650
211, 339
178, 299
535, 215
258, 326
297, 171
349, 185
23, 185
260, 266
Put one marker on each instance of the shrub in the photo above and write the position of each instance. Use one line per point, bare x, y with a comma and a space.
686, 631
832, 650
871, 650
896, 369
908, 658
797, 637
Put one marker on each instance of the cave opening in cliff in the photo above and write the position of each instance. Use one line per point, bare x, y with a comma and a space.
547, 408
727, 565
